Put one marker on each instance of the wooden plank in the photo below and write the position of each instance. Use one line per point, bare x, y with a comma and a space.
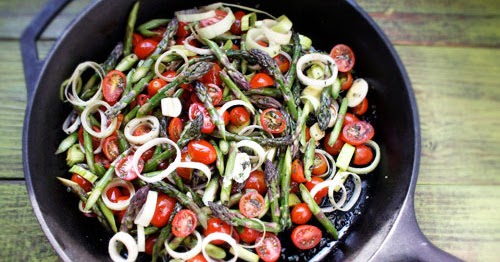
478, 7
22, 238
462, 220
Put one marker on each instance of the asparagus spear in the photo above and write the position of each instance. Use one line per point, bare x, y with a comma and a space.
264, 102
133, 209
264, 141
286, 173
309, 158
236, 219
162, 237
145, 29
264, 91
271, 178
227, 180
201, 93
338, 123
89, 150
234, 88
320, 216
129, 30
323, 115
292, 71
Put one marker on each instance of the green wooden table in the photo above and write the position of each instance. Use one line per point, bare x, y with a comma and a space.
451, 50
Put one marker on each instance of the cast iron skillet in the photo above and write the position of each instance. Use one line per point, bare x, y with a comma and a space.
386, 230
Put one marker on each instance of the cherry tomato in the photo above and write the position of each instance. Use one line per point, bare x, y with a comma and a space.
148, 154
212, 76
175, 128
363, 155
225, 115
95, 140
236, 26
283, 63
308, 133
322, 193
257, 182
215, 225
335, 149
343, 56
111, 148
349, 119
155, 85
184, 223
319, 164
298, 171
183, 30
252, 204
144, 48
270, 248
306, 236
150, 243
114, 194
294, 186
197, 108
159, 31
248, 235
219, 15
261, 80
357, 133
215, 92
82, 182
164, 207
141, 130
184, 172
301, 214
361, 108
346, 80
113, 86
124, 168
197, 258
273, 121
239, 116
102, 160
140, 100
136, 38
201, 151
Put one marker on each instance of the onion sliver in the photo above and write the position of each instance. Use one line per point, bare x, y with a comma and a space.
329, 164
136, 122
197, 165
73, 82
219, 236
105, 132
141, 239
263, 233
120, 205
189, 254
232, 103
82, 209
259, 151
256, 34
306, 60
128, 241
341, 177
148, 210
273, 36
193, 15
171, 168
374, 163
72, 119
357, 92
247, 130
194, 49
330, 184
218, 28
158, 62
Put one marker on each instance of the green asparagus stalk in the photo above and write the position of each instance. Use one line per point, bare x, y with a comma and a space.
129, 97
145, 29
227, 180
202, 94
273, 192
129, 30
286, 173
89, 150
219, 162
264, 91
320, 216
122, 141
309, 158
162, 237
127, 62
234, 88
67, 143
236, 219
323, 114
134, 208
264, 141
292, 71
108, 214
338, 123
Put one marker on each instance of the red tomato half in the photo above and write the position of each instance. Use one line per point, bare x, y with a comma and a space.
273, 121
113, 86
306, 236
335, 149
239, 116
175, 128
261, 80
124, 168
343, 56
184, 223
82, 182
248, 235
215, 225
298, 171
252, 204
201, 151
197, 108
215, 93
212, 76
357, 133
150, 243
111, 148
361, 108
155, 85
283, 63
164, 207
270, 248
322, 193
349, 119
320, 164
346, 80
144, 48
182, 30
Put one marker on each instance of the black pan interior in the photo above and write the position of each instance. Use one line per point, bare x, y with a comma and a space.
95, 33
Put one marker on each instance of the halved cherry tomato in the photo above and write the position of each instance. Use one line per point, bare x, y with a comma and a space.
261, 80
212, 76
306, 236
298, 171
294, 186
239, 116
111, 147
343, 56
148, 154
141, 130
124, 168
82, 182
215, 225
361, 108
201, 151
335, 149
319, 164
184, 223
345, 80
175, 128
144, 48
150, 243
219, 15
155, 85
301, 214
236, 26
357, 133
362, 156
113, 86
248, 235
197, 108
252, 204
322, 193
283, 63
273, 121
102, 160
215, 92
182, 30
197, 258
350, 118
257, 182
270, 248
164, 207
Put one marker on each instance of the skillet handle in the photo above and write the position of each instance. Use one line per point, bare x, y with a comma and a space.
31, 62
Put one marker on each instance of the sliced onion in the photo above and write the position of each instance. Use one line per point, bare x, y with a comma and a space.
232, 103
357, 92
82, 209
330, 164
218, 28
148, 210
128, 241
96, 151
141, 239
193, 15
261, 239
333, 115
194, 49
189, 254
105, 132
158, 63
374, 163
73, 119
273, 36
171, 106
197, 165
259, 151
315, 103
287, 56
73, 98
330, 184
256, 34
219, 236
342, 177
136, 122
306, 60
171, 168
247, 130
120, 205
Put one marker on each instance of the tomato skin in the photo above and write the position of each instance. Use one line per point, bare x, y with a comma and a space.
197, 258
346, 80
150, 243
361, 108
301, 214
113, 86
114, 194
136, 38
197, 108
273, 121
350, 118
124, 169
155, 85
102, 160
261, 80
82, 182
212, 76
145, 48
335, 149
215, 225
219, 15
248, 235
363, 155
225, 115
215, 93
239, 116
164, 207
320, 165
252, 204
182, 30
283, 63
270, 249
236, 27
111, 148
184, 172
344, 57
184, 223
357, 133
306, 236
159, 31
322, 193
298, 171
175, 128
257, 182
202, 151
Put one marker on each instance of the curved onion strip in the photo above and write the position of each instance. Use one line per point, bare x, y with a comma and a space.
82, 209
136, 122
274, 36
330, 184
120, 205
259, 151
73, 119
128, 241
247, 130
171, 168
311, 99
232, 103
287, 56
189, 254
193, 15
357, 92
261, 239
194, 49
306, 60
148, 210
141, 239
197, 165
329, 164
219, 236
160, 58
105, 132
256, 34
333, 115
218, 28
342, 176
73, 98
374, 163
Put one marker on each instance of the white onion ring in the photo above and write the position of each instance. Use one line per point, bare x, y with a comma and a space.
73, 98
74, 119
136, 122
257, 149
171, 168
273, 36
105, 132
328, 165
80, 207
333, 115
341, 177
193, 15
194, 49
148, 210
128, 241
253, 35
189, 254
330, 184
373, 165
218, 28
286, 55
197, 165
307, 59
158, 62
232, 103
247, 130
120, 205
219, 236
